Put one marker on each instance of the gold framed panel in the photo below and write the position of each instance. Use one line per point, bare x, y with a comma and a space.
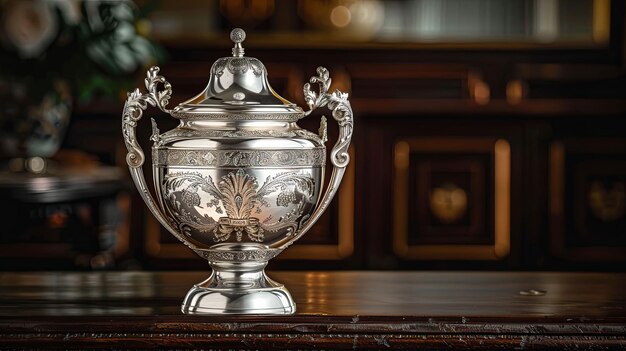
557, 240
501, 150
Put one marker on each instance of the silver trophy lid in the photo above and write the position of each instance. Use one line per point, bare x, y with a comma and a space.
238, 89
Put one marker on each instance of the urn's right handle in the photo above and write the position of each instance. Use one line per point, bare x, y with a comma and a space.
338, 103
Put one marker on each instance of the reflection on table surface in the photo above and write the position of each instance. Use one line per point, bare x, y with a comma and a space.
426, 294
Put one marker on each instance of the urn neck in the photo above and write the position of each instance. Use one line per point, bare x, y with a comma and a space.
238, 275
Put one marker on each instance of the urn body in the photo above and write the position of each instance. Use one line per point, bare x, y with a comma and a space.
250, 183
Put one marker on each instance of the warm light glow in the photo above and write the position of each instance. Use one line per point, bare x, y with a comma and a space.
402, 155
514, 92
601, 20
36, 164
16, 164
340, 16
502, 211
57, 220
482, 93
401, 163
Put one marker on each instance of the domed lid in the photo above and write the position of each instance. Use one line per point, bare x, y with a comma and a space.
238, 90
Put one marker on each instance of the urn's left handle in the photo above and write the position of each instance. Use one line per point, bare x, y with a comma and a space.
135, 104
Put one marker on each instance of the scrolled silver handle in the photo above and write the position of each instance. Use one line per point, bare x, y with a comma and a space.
337, 102
136, 103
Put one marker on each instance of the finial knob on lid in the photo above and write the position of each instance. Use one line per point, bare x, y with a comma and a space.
238, 35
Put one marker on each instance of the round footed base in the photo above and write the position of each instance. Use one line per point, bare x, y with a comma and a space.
201, 300
238, 289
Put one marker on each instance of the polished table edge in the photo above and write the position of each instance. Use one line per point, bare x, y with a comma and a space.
319, 323
313, 331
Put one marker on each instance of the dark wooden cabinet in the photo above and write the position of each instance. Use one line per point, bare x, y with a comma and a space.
494, 156
449, 192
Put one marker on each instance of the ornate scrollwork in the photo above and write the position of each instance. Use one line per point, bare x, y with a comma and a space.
178, 133
240, 197
323, 131
338, 103
133, 110
156, 134
238, 65
182, 113
238, 255
240, 158
135, 104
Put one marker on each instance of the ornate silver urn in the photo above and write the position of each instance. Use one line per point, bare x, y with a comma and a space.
238, 180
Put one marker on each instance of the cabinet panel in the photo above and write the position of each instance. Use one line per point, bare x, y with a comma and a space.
452, 198
587, 199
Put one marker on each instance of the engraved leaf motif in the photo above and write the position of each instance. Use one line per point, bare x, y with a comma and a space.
309, 95
323, 73
255, 233
337, 94
238, 194
160, 99
196, 180
279, 182
175, 180
313, 99
136, 99
187, 220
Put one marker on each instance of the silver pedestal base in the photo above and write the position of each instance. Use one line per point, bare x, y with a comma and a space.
238, 288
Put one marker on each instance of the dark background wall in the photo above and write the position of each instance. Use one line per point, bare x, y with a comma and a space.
502, 151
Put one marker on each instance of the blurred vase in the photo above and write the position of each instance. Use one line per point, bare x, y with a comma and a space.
33, 118
360, 19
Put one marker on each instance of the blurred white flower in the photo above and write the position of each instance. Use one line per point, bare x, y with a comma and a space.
29, 25
90, 43
120, 9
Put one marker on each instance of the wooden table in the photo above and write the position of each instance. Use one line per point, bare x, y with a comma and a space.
336, 310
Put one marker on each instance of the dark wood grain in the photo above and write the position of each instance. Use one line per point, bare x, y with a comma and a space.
336, 310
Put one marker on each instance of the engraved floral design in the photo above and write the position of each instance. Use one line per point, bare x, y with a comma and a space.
238, 192
243, 133
241, 158
239, 256
238, 65
180, 112
240, 197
